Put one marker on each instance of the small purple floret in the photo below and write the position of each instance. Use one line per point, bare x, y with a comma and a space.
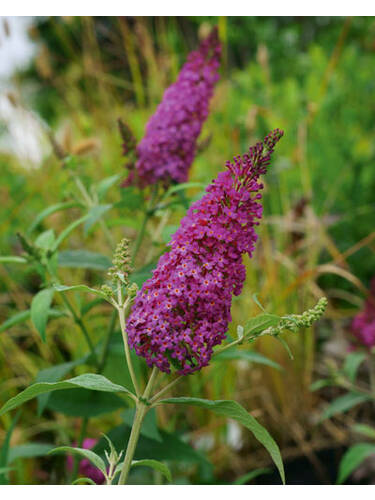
183, 311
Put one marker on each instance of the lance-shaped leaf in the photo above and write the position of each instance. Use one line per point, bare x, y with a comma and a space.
251, 356
28, 450
352, 363
344, 403
78, 288
88, 381
23, 316
64, 234
94, 215
49, 211
12, 259
154, 464
259, 323
40, 310
232, 409
97, 461
246, 478
4, 451
353, 458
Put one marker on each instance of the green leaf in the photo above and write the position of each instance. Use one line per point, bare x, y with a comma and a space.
94, 215
12, 258
319, 384
46, 240
246, 478
19, 317
251, 356
23, 316
353, 457
352, 363
39, 310
259, 323
64, 234
78, 288
232, 409
4, 450
256, 300
344, 403
49, 211
103, 186
28, 450
84, 480
171, 448
97, 461
154, 464
54, 374
364, 429
112, 450
84, 259
149, 426
284, 343
90, 381
84, 403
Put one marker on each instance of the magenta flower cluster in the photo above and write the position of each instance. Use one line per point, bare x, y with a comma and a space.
363, 325
167, 150
183, 311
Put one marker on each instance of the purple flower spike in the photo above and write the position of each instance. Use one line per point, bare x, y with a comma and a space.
168, 148
183, 311
363, 325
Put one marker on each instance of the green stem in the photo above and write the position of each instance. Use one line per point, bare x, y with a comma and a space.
121, 312
141, 410
140, 413
158, 395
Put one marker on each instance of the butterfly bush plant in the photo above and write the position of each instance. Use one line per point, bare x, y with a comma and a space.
178, 320
356, 377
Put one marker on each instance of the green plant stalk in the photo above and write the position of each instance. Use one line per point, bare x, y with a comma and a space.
141, 410
121, 312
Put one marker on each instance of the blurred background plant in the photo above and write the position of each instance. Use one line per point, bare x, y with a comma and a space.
311, 77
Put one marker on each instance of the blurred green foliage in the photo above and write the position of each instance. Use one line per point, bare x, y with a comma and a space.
312, 77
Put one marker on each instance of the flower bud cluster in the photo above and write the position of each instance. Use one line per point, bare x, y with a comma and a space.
121, 269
